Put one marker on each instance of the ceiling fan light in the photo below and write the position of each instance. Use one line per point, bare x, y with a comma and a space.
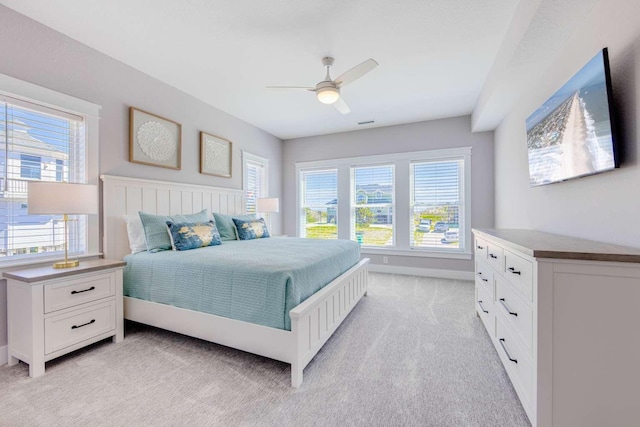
328, 95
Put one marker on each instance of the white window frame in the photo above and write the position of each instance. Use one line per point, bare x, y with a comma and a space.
402, 199
24, 91
262, 161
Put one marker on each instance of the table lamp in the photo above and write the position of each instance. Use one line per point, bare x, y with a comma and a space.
61, 198
267, 206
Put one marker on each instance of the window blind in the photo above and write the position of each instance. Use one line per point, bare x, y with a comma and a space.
319, 204
437, 203
255, 186
372, 213
37, 143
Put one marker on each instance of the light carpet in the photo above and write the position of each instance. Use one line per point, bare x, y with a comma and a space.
411, 353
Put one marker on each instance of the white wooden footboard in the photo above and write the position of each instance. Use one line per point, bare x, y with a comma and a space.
316, 319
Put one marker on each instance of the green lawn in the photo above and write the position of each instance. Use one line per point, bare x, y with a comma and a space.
325, 231
376, 236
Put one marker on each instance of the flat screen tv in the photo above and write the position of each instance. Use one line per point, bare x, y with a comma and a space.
572, 134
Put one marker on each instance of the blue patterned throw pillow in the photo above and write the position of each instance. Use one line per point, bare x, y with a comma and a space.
155, 227
251, 229
185, 236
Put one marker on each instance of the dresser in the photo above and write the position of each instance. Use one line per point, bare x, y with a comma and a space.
51, 312
564, 317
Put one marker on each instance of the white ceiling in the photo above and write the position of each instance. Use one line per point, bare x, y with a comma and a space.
435, 56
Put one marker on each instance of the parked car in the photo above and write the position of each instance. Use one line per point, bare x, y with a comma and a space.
441, 227
450, 237
425, 225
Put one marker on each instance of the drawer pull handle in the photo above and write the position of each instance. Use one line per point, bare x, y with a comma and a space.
482, 307
84, 324
84, 290
480, 247
482, 278
513, 270
507, 352
493, 256
513, 313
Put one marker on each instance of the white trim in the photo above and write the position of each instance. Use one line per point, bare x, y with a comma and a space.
4, 355
425, 272
413, 252
387, 158
26, 91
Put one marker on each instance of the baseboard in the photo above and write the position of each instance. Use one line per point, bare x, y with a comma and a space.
427, 272
4, 355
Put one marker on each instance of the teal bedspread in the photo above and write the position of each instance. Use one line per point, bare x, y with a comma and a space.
257, 281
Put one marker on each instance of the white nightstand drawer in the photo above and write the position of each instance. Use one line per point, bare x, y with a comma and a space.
70, 328
69, 293
519, 271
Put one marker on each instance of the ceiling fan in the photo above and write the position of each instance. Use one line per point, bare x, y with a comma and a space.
328, 91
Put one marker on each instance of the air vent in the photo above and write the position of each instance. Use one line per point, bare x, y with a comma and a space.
366, 123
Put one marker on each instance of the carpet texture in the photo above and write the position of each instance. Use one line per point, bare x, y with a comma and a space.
411, 353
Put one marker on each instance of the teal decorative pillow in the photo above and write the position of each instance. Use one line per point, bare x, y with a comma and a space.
251, 229
185, 236
155, 228
226, 227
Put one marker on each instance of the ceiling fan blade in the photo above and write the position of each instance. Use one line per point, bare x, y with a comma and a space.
356, 72
313, 89
342, 106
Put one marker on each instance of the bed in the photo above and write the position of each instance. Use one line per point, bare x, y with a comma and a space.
303, 313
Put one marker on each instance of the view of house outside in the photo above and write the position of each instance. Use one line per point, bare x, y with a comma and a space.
33, 147
435, 210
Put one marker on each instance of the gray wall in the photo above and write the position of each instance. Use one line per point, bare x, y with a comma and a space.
39, 55
602, 207
436, 134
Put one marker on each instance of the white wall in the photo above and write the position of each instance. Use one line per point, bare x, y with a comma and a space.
32, 52
436, 134
602, 207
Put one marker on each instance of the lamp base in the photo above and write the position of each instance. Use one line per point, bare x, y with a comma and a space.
67, 263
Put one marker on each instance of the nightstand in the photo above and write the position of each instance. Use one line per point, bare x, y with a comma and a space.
51, 312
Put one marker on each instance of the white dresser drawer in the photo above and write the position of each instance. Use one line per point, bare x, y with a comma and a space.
480, 249
484, 275
495, 256
484, 307
69, 293
519, 271
76, 326
517, 313
517, 362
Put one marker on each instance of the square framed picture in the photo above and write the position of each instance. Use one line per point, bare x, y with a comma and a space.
215, 155
154, 140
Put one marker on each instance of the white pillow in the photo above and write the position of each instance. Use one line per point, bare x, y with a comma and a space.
135, 233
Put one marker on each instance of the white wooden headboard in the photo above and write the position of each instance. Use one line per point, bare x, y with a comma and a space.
127, 196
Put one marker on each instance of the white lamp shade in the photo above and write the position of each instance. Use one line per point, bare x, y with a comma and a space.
61, 198
268, 205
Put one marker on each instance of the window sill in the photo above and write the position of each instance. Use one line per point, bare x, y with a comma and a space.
7, 265
414, 253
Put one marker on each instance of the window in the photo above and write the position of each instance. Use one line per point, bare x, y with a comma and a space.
30, 167
437, 203
372, 206
319, 204
39, 142
255, 173
410, 204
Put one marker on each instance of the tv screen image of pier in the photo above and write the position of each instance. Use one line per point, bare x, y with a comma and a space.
570, 134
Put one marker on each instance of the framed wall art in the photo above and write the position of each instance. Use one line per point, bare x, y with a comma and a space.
154, 140
215, 155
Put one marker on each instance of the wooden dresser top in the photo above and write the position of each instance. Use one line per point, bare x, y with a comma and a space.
539, 244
